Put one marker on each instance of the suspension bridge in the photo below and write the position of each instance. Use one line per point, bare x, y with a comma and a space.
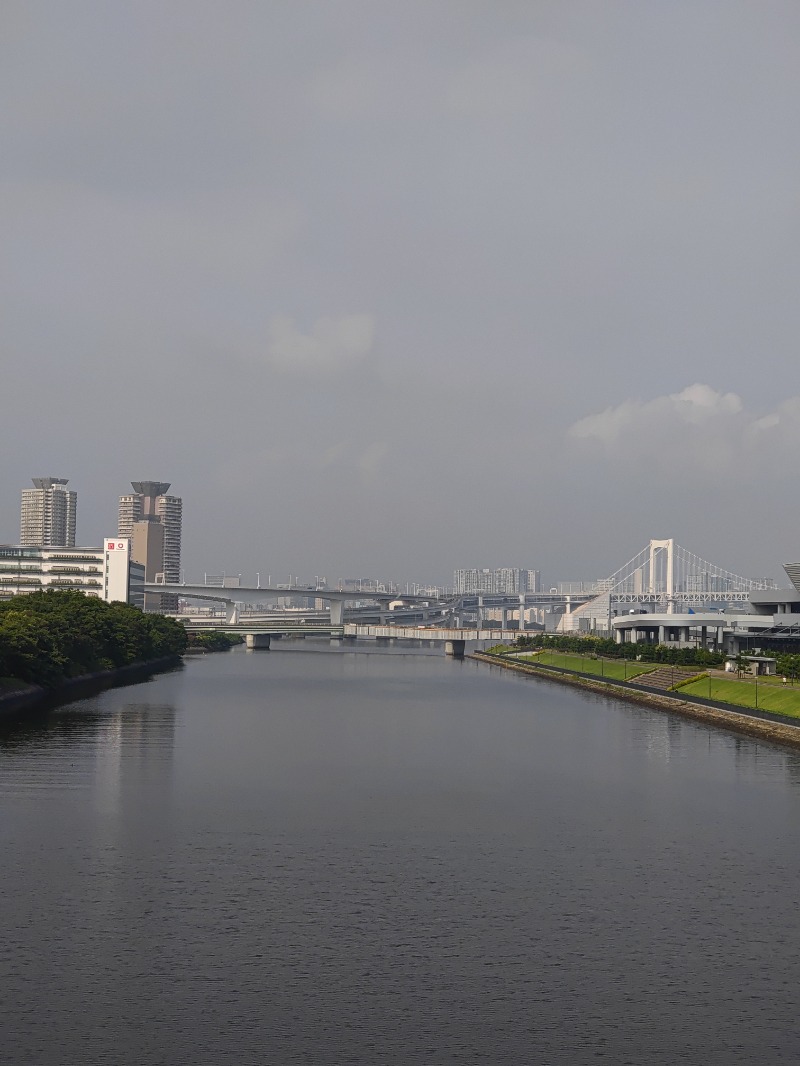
667, 578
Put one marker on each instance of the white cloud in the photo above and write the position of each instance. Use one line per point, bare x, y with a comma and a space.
697, 430
334, 345
696, 405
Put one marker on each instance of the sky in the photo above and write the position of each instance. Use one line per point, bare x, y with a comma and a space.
390, 287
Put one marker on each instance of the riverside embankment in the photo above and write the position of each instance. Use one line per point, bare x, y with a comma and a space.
759, 725
22, 697
59, 645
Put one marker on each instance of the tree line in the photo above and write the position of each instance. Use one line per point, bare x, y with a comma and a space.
50, 636
609, 649
214, 641
788, 664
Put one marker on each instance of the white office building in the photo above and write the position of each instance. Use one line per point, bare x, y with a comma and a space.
108, 573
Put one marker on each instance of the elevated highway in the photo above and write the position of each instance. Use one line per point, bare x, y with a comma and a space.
411, 607
233, 597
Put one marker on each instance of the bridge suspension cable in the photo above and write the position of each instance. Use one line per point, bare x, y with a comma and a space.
665, 572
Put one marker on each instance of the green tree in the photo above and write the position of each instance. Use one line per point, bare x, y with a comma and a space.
48, 636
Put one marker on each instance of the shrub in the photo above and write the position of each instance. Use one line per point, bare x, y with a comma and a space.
609, 649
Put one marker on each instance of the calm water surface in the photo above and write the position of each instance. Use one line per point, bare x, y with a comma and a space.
313, 855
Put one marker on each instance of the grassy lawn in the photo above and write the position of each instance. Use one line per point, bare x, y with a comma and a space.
772, 694
614, 669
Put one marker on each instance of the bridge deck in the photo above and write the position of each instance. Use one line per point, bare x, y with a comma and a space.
430, 633
364, 632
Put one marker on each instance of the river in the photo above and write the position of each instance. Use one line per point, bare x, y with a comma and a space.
318, 855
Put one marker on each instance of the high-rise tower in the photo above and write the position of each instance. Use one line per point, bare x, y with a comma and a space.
154, 520
47, 515
169, 510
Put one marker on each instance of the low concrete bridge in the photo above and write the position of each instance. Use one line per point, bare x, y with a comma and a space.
259, 634
454, 639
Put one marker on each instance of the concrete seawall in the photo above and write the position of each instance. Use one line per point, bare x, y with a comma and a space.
36, 698
733, 720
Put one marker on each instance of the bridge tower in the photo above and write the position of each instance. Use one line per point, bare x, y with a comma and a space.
657, 548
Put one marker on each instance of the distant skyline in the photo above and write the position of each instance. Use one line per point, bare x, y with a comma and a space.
307, 575
396, 289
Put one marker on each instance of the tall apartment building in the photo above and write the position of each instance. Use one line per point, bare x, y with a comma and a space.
533, 580
154, 521
48, 513
169, 510
504, 580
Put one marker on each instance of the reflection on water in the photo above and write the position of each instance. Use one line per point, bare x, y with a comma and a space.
318, 854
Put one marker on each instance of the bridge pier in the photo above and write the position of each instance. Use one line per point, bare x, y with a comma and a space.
455, 648
231, 613
257, 640
337, 612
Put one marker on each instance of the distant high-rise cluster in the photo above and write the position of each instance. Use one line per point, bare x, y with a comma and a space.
48, 513
147, 547
503, 580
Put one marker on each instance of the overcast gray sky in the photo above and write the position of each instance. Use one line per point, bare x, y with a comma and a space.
393, 287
